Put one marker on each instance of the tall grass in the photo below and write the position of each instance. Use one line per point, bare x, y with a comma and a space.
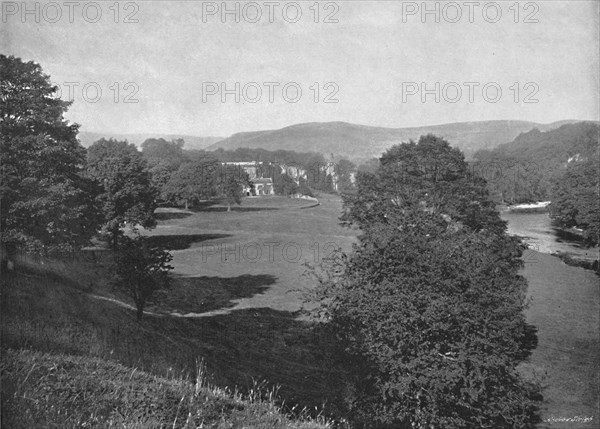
61, 391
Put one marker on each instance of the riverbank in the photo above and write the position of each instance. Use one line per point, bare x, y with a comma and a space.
565, 309
538, 232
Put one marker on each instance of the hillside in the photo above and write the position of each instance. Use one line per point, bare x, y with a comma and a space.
93, 392
526, 166
191, 142
360, 142
71, 358
557, 145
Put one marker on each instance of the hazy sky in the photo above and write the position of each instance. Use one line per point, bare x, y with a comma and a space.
375, 59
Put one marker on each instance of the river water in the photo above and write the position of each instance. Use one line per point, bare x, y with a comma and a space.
565, 310
541, 236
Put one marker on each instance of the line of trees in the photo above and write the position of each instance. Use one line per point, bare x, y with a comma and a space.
575, 198
55, 196
428, 308
318, 176
526, 169
186, 177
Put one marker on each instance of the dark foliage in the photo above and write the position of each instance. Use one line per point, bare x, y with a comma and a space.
284, 185
141, 269
46, 204
428, 309
127, 195
576, 199
523, 171
163, 158
206, 179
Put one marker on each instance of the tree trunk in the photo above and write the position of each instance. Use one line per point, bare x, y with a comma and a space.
115, 239
186, 204
228, 207
140, 311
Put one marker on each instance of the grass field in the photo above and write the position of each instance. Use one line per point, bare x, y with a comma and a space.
251, 257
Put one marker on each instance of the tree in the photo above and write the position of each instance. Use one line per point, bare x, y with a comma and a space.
163, 158
525, 169
284, 184
194, 181
231, 183
428, 309
369, 166
127, 195
575, 199
345, 171
317, 173
303, 187
141, 270
45, 202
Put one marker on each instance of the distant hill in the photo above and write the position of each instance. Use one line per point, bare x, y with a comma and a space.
556, 145
360, 142
526, 167
191, 142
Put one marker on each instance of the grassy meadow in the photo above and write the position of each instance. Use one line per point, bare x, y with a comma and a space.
245, 322
236, 305
251, 257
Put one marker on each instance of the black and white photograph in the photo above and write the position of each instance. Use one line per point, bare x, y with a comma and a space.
311, 214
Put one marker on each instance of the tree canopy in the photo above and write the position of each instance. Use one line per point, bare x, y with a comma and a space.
525, 169
46, 203
127, 195
163, 158
428, 309
194, 181
576, 199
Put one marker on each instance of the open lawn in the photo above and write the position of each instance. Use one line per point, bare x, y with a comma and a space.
251, 257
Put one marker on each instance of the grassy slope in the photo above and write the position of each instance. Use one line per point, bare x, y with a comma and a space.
253, 341
52, 314
49, 390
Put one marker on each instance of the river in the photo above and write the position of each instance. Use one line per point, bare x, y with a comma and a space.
565, 310
541, 236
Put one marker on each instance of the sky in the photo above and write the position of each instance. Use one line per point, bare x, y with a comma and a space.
188, 68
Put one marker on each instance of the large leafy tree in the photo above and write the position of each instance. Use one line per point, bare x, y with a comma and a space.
127, 195
576, 200
46, 203
163, 158
231, 183
194, 181
284, 184
345, 171
319, 173
428, 307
